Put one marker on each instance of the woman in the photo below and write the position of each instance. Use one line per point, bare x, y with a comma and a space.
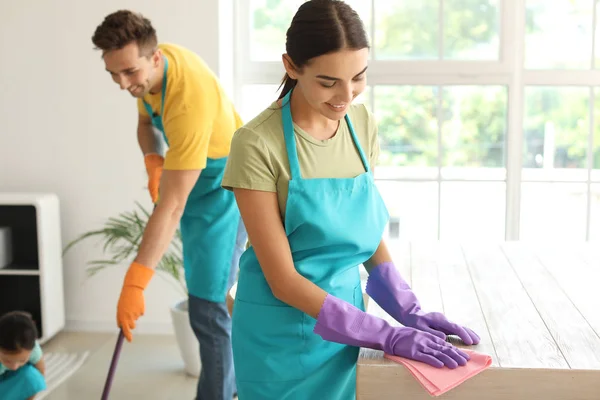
302, 176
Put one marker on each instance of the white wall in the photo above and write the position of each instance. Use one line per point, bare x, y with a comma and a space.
66, 128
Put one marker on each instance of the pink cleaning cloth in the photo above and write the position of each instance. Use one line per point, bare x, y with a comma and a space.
438, 381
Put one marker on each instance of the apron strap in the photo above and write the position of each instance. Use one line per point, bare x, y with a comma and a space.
290, 137
164, 87
357, 144
148, 109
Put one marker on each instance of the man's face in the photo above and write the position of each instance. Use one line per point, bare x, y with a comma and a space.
132, 72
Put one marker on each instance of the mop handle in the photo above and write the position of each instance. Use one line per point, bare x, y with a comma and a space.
113, 366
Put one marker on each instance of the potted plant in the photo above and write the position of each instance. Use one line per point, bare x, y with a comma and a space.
121, 237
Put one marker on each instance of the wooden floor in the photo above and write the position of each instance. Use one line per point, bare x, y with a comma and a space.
535, 307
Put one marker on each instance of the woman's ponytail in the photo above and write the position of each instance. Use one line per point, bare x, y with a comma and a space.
288, 84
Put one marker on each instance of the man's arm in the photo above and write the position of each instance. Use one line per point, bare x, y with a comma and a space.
151, 149
188, 127
146, 136
175, 187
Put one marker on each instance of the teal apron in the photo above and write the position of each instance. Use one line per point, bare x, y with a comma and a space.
333, 225
208, 226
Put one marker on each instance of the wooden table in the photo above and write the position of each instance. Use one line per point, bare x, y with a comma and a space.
535, 307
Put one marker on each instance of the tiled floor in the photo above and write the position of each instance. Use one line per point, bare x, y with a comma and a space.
149, 368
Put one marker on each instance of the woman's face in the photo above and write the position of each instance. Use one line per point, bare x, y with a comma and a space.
330, 82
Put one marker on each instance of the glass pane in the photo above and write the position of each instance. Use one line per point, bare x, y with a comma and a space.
408, 128
472, 210
556, 127
558, 34
270, 20
471, 30
553, 211
474, 131
412, 207
597, 33
406, 29
596, 151
255, 98
595, 213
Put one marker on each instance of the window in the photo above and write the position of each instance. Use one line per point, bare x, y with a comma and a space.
489, 119
561, 131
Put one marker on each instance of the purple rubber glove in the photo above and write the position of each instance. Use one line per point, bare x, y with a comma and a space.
341, 322
392, 293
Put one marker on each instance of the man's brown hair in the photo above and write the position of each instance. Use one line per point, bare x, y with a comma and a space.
123, 27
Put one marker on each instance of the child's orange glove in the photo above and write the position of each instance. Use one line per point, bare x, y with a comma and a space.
131, 301
154, 166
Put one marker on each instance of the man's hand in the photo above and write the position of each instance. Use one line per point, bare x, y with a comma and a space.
154, 166
131, 302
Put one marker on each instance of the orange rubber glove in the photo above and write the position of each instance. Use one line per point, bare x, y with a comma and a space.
154, 166
131, 302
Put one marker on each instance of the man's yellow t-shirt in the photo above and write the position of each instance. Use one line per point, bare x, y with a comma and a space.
199, 119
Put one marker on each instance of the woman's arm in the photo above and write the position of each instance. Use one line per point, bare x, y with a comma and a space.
337, 320
381, 255
260, 213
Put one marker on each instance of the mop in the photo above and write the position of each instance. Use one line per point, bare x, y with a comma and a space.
114, 361
113, 366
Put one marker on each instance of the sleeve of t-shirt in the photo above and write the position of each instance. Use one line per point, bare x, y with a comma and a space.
188, 127
141, 108
36, 354
249, 164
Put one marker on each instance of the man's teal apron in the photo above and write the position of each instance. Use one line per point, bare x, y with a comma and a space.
209, 224
333, 225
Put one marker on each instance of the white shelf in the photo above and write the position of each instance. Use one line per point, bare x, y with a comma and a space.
34, 280
18, 272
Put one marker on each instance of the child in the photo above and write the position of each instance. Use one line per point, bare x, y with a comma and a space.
21, 358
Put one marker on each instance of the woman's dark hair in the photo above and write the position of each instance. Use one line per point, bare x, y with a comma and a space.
17, 332
321, 27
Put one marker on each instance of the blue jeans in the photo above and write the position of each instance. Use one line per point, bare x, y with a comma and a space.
211, 324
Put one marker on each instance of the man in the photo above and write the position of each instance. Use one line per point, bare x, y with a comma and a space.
178, 95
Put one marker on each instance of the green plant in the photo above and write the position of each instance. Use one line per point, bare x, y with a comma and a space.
121, 238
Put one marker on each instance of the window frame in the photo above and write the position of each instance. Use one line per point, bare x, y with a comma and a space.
509, 71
